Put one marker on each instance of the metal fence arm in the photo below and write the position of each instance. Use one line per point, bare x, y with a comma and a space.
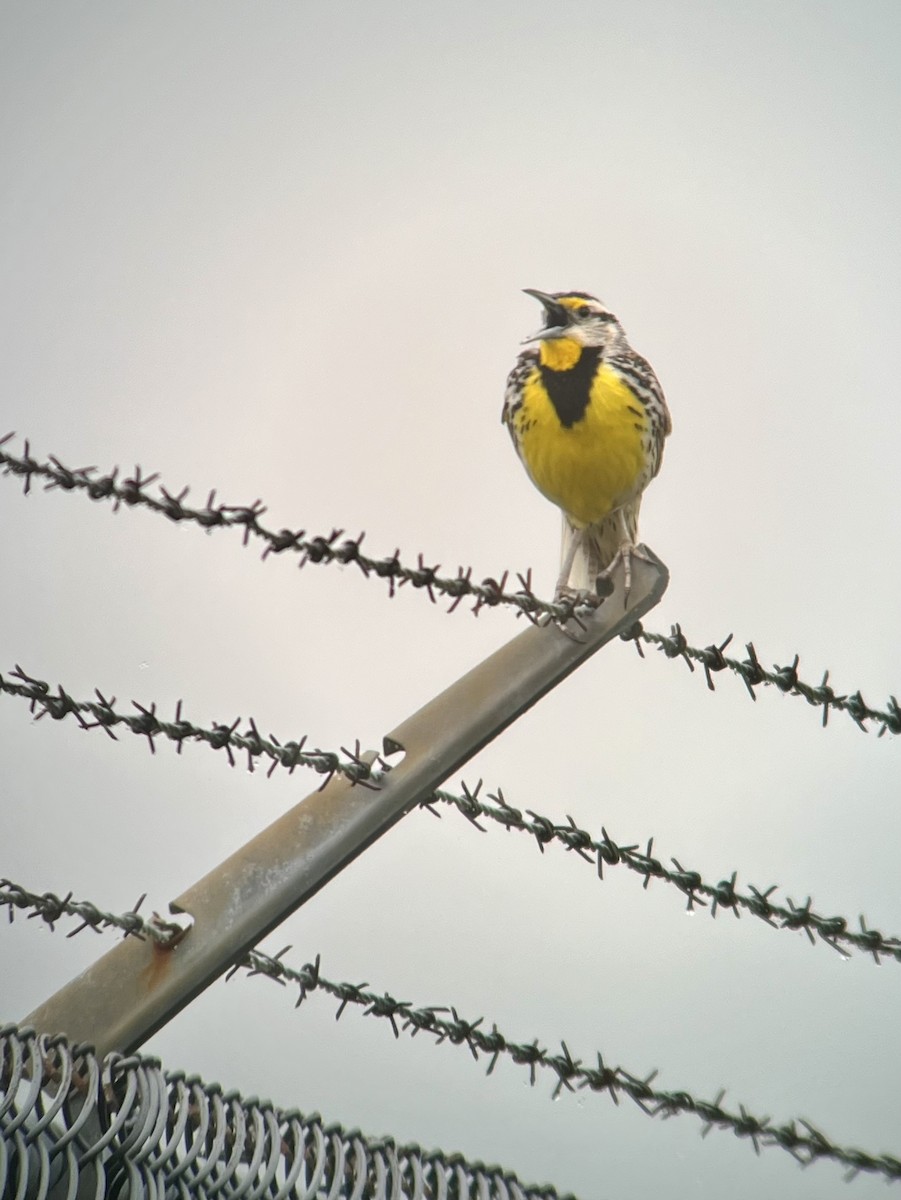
128, 994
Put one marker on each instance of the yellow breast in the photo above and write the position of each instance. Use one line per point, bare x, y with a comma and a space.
597, 462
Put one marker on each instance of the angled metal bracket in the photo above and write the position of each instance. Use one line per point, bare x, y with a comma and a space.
134, 989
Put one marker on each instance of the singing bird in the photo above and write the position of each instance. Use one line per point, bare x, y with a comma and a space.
588, 419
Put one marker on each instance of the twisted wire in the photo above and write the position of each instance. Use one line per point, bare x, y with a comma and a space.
145, 722
71, 1124
752, 673
336, 548
806, 1145
132, 491
51, 908
835, 931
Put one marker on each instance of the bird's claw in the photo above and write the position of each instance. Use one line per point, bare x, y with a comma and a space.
625, 554
574, 597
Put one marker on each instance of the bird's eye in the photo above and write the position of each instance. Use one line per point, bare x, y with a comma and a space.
583, 311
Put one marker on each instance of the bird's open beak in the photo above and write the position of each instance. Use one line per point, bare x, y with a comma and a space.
559, 320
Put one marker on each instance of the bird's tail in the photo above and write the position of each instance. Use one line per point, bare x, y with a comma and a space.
599, 546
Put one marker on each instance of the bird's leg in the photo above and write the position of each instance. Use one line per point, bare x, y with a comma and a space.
562, 589
628, 549
602, 585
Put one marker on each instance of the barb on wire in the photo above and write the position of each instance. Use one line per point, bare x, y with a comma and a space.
334, 547
604, 851
836, 931
444, 1023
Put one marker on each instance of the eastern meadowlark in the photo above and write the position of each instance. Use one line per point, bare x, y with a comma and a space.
588, 419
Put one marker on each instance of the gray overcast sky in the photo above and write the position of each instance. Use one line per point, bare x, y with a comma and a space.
277, 249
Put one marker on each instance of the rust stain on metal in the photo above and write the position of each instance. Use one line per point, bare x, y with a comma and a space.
159, 966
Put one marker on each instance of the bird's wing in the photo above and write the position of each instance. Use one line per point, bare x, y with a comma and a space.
641, 377
516, 380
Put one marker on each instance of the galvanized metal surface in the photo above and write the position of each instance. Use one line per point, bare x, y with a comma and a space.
137, 987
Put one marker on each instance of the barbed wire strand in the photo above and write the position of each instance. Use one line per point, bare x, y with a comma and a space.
50, 908
835, 931
444, 1023
571, 1074
604, 852
145, 722
336, 548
